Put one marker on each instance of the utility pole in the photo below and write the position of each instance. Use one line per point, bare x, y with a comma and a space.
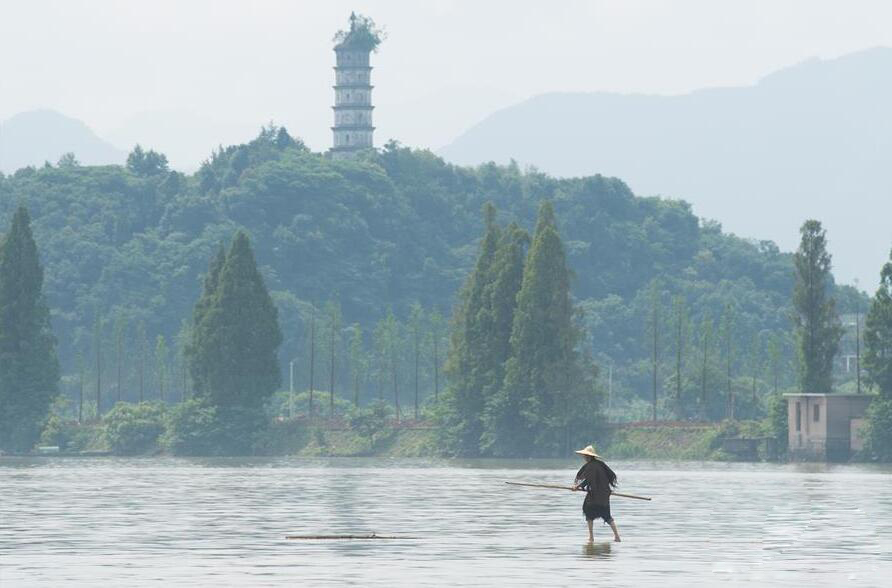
858, 339
609, 390
80, 397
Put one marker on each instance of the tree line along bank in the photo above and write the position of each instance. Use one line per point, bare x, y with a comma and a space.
727, 389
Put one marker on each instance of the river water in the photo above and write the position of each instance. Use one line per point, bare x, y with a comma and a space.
222, 522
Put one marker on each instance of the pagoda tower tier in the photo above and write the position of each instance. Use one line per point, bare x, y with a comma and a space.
353, 129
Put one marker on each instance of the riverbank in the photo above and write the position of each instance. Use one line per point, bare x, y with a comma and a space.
660, 441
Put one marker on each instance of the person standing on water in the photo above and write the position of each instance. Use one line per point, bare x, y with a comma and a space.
598, 481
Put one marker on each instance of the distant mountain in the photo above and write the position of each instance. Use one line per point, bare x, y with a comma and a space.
410, 121
810, 141
33, 138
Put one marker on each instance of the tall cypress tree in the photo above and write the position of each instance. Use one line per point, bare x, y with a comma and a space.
463, 403
878, 360
507, 270
238, 334
29, 370
541, 372
818, 329
199, 362
878, 335
501, 300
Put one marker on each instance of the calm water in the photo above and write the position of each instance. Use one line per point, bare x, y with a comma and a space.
133, 522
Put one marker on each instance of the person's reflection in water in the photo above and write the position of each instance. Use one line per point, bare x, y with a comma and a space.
596, 550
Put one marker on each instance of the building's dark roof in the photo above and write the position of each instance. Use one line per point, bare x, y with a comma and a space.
831, 395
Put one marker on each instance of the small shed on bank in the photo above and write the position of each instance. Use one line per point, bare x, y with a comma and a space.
826, 427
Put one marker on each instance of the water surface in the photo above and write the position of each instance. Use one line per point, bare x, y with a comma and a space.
147, 521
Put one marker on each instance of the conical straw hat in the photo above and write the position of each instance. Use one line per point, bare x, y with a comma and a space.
590, 451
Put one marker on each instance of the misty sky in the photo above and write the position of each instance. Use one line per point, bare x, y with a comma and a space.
446, 64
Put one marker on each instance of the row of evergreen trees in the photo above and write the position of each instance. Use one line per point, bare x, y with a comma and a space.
518, 385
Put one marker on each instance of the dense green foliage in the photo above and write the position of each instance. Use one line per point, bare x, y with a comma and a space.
29, 372
363, 34
380, 234
371, 421
879, 429
818, 329
133, 429
193, 428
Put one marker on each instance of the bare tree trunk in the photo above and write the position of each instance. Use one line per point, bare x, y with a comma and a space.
436, 369
678, 356
730, 407
705, 357
396, 389
312, 361
417, 354
142, 368
331, 374
80, 396
98, 371
754, 392
118, 345
654, 365
858, 344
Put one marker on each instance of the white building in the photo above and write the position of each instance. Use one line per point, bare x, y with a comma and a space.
826, 426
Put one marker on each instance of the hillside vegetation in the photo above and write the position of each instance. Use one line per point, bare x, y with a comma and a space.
379, 233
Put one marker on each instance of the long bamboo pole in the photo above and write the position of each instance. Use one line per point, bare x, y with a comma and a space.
572, 488
335, 537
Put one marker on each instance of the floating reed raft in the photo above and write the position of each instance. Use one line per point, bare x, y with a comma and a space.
336, 537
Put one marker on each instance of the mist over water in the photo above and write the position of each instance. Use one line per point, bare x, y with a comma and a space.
139, 522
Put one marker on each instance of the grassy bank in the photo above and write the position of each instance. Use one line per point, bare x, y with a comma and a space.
680, 442
390, 443
677, 443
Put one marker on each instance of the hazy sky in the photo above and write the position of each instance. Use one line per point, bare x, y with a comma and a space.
444, 65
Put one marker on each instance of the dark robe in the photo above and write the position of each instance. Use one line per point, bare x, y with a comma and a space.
594, 481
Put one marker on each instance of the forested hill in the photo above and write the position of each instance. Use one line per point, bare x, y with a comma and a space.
382, 232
